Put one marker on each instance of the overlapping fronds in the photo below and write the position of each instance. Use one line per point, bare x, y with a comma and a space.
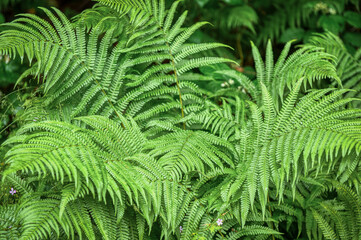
100, 71
102, 18
136, 7
310, 63
90, 162
187, 151
316, 128
83, 156
285, 17
120, 142
9, 222
85, 218
225, 121
292, 14
104, 161
348, 66
314, 210
89, 69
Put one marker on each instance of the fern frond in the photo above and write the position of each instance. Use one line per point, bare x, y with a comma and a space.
186, 151
99, 70
348, 66
83, 156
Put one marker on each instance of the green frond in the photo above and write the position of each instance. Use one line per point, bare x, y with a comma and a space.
222, 121
352, 201
310, 134
240, 16
192, 219
40, 220
260, 67
9, 222
248, 86
94, 69
186, 151
252, 231
19, 183
124, 6
325, 227
65, 57
288, 15
347, 65
101, 15
83, 156
103, 217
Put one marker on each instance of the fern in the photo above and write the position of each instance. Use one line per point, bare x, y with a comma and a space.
287, 16
348, 66
95, 89
301, 128
121, 141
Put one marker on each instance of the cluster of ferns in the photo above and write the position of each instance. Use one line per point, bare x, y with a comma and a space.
122, 140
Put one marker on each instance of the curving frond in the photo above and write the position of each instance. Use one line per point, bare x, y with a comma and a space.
310, 63
348, 66
83, 156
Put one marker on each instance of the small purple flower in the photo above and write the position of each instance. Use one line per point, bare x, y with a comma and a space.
219, 222
12, 191
181, 229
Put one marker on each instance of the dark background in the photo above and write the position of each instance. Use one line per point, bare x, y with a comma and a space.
9, 8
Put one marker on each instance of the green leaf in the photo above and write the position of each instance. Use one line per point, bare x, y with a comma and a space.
353, 18
332, 23
291, 34
353, 38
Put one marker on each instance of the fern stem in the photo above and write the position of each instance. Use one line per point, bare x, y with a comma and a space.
174, 70
177, 82
102, 89
94, 78
156, 20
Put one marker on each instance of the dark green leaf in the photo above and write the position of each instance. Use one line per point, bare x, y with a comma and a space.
332, 23
291, 34
353, 38
353, 18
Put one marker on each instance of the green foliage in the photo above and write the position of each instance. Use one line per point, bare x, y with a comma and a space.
130, 135
348, 65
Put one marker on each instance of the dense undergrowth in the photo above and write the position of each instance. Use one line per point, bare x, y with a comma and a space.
131, 127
